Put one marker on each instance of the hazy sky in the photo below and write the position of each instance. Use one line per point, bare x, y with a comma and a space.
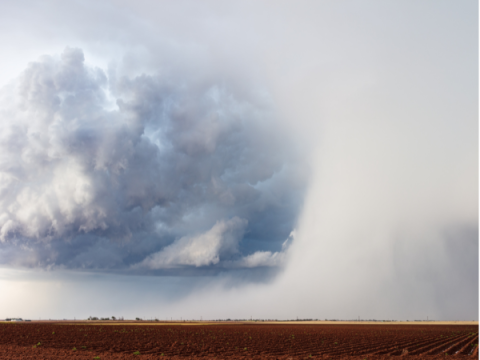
221, 159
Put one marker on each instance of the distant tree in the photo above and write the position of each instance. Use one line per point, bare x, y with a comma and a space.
114, 318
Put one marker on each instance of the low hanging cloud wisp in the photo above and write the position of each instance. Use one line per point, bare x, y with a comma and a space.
102, 173
201, 250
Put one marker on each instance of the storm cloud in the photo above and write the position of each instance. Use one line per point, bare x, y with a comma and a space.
316, 159
146, 171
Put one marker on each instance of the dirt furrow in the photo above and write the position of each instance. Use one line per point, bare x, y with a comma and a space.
393, 348
474, 351
407, 344
432, 347
468, 348
351, 348
419, 346
387, 346
280, 341
366, 348
449, 349
457, 348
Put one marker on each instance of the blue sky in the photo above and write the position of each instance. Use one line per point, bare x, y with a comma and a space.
210, 158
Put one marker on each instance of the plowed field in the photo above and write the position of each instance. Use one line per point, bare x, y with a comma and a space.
263, 341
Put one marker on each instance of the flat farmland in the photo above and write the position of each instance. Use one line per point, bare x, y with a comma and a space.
40, 340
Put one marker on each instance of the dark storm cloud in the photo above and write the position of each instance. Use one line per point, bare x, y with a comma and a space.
148, 171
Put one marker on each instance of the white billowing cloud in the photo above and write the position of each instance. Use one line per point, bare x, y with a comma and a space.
200, 250
265, 258
143, 159
51, 136
262, 258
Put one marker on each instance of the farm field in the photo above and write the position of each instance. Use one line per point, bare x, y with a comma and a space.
234, 341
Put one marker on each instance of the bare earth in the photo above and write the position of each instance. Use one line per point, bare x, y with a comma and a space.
248, 340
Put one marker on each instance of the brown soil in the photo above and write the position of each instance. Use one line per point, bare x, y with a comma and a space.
248, 341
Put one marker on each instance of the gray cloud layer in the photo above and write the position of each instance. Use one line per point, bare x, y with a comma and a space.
105, 172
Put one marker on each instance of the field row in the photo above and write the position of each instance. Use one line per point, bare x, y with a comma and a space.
242, 340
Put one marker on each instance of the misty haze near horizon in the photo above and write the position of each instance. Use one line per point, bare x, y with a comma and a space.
199, 159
